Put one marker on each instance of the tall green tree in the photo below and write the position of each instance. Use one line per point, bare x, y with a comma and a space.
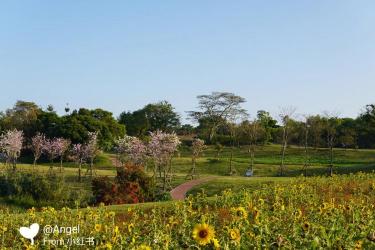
136, 122
22, 116
77, 125
162, 116
268, 123
216, 109
154, 116
347, 133
316, 129
366, 127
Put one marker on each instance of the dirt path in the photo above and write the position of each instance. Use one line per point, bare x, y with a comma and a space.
179, 192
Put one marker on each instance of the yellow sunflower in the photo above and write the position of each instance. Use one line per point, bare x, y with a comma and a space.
240, 212
144, 247
116, 230
256, 213
216, 243
30, 247
358, 245
298, 214
235, 235
325, 205
108, 246
130, 227
98, 227
306, 226
203, 234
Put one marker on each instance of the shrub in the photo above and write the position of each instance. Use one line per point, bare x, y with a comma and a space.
131, 185
103, 190
29, 189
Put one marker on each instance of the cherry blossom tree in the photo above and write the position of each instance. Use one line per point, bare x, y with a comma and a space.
37, 143
62, 146
161, 148
86, 152
138, 152
51, 149
197, 148
130, 148
122, 146
92, 150
11, 145
79, 153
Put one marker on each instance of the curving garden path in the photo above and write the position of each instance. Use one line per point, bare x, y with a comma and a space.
179, 192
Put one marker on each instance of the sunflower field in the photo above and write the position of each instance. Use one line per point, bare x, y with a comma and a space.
308, 213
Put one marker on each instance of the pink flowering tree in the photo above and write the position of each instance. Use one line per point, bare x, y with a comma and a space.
51, 149
138, 152
197, 148
92, 150
11, 146
62, 146
161, 149
87, 152
37, 143
79, 153
131, 149
122, 146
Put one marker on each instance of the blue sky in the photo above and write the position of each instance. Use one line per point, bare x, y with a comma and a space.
120, 55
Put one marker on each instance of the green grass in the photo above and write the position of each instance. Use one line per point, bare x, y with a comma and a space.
217, 186
267, 162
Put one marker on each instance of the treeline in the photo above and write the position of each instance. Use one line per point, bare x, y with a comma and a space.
219, 118
75, 125
314, 130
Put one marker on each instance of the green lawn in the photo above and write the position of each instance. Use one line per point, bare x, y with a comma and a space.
265, 171
268, 159
218, 185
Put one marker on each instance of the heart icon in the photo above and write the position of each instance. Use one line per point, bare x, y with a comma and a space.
30, 232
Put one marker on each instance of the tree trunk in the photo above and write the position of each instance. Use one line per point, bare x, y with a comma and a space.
14, 164
91, 167
306, 151
117, 160
231, 172
331, 161
212, 133
61, 164
282, 159
79, 172
51, 165
164, 180
145, 166
192, 170
252, 156
285, 140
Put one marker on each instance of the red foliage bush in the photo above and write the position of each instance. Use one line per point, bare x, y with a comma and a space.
131, 185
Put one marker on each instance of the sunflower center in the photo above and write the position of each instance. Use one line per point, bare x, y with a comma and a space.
203, 233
